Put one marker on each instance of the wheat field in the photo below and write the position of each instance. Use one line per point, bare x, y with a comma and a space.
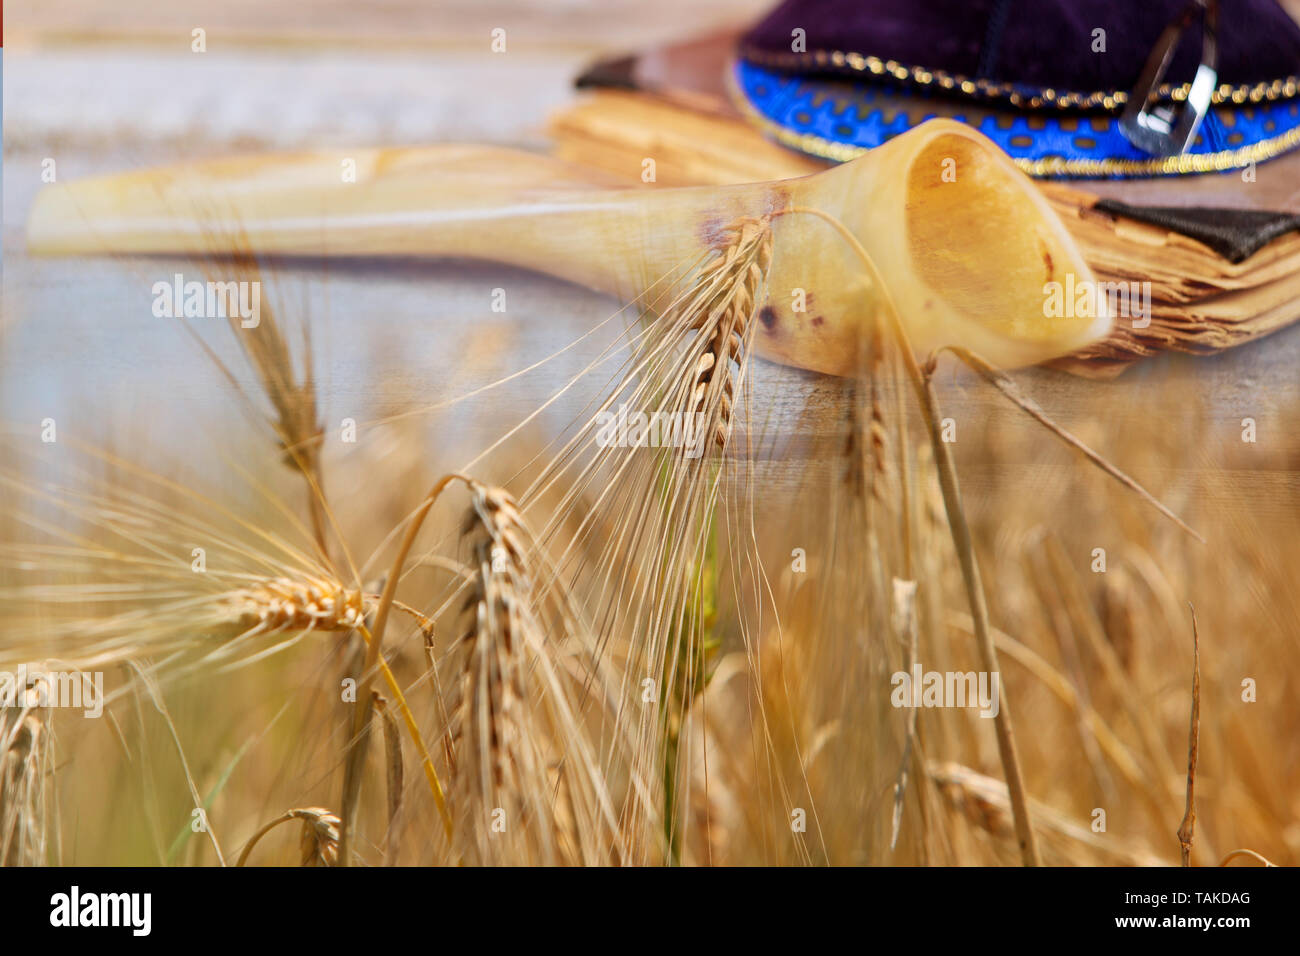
568, 652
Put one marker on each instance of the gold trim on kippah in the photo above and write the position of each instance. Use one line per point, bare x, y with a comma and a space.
1061, 99
1187, 163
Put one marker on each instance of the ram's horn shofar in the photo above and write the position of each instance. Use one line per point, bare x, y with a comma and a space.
962, 241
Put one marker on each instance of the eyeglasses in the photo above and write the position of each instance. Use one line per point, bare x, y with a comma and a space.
1162, 128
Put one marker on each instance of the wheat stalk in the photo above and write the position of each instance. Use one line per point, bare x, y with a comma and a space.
495, 761
687, 365
288, 385
1187, 828
525, 786
923, 384
319, 842
24, 763
722, 311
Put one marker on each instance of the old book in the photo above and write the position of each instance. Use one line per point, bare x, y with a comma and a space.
1191, 297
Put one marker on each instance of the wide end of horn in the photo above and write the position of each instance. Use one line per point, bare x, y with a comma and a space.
990, 250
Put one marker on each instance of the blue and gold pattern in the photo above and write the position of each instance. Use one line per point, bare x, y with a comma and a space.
839, 119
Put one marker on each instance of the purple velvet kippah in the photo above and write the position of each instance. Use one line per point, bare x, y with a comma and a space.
1064, 87
1045, 44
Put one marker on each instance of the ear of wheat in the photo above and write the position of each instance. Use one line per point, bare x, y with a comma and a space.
24, 766
984, 804
647, 579
288, 385
496, 762
319, 843
287, 604
525, 786
722, 310
118, 579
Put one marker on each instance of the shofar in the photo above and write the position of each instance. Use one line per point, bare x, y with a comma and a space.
962, 241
